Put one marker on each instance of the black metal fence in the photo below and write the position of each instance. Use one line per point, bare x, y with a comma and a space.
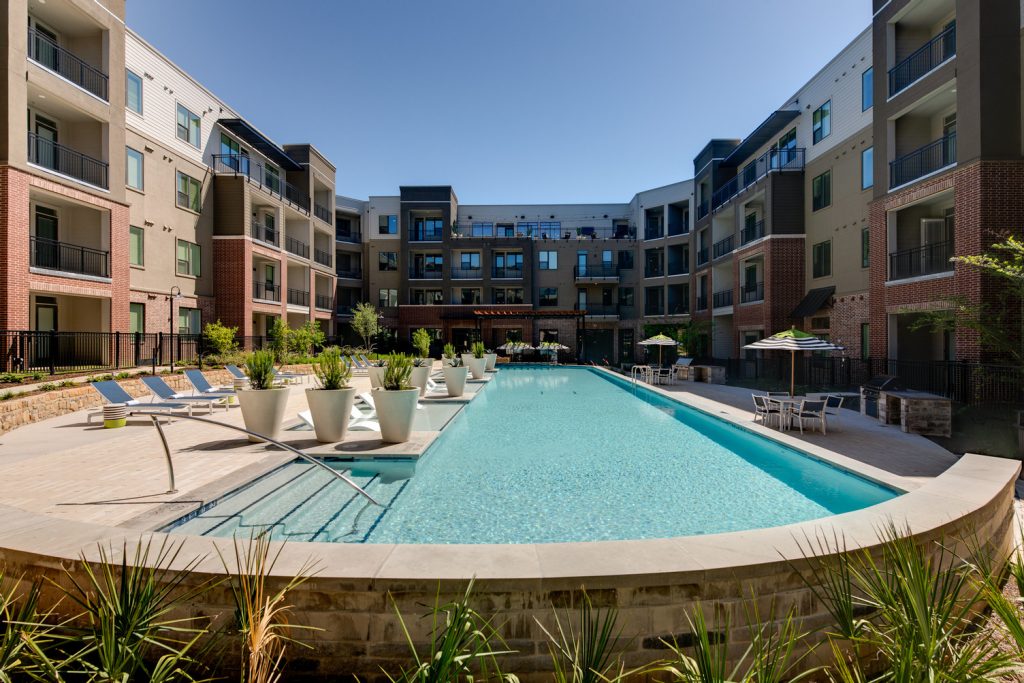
65, 352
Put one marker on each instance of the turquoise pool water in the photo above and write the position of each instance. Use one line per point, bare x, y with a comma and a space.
552, 454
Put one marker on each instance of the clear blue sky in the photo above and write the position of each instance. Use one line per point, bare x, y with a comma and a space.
510, 101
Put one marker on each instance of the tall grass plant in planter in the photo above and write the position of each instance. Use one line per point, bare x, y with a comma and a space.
376, 372
330, 403
423, 363
454, 371
396, 400
263, 404
478, 363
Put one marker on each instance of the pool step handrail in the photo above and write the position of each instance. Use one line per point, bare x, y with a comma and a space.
305, 456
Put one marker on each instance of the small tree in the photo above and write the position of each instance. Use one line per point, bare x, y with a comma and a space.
303, 340
421, 342
366, 323
278, 334
220, 338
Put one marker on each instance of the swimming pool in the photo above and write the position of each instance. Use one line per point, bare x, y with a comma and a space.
552, 454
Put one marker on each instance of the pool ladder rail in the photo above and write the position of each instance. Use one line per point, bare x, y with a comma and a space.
304, 456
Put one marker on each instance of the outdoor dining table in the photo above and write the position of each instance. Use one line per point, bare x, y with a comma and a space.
787, 405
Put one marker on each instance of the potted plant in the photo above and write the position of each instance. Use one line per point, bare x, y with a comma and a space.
330, 404
376, 372
454, 371
478, 363
492, 358
262, 403
423, 364
396, 400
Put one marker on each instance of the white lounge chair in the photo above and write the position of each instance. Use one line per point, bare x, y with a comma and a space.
367, 398
112, 392
357, 420
163, 391
199, 382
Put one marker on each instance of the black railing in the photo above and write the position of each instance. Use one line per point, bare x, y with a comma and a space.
749, 294
66, 161
298, 297
773, 160
255, 171
680, 267
678, 228
655, 269
65, 352
297, 247
753, 232
431, 235
702, 256
605, 310
324, 302
678, 307
725, 192
506, 273
702, 303
702, 209
921, 61
722, 247
69, 258
322, 212
467, 273
653, 232
353, 237
266, 291
924, 260
722, 299
264, 233
603, 271
654, 308
922, 161
350, 273
436, 273
322, 257
43, 51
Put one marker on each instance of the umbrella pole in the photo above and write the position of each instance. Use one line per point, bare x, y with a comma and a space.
792, 373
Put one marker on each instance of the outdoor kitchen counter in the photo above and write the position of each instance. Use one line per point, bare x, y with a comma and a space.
916, 412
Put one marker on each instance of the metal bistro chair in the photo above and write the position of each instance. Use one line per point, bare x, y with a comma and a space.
833, 403
766, 410
810, 410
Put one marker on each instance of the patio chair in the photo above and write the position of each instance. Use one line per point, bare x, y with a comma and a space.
355, 366
833, 403
236, 372
367, 398
666, 375
365, 361
163, 391
766, 410
112, 392
780, 394
357, 420
199, 382
810, 410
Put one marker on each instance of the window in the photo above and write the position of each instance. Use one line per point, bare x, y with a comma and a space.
387, 261
821, 323
549, 296
469, 260
190, 192
551, 229
625, 296
867, 89
469, 296
821, 191
188, 126
133, 92
133, 168
821, 122
189, 321
505, 230
387, 298
822, 259
136, 246
549, 260
387, 225
549, 336
626, 346
137, 317
625, 259
865, 339
189, 258
426, 297
480, 229
865, 248
427, 229
529, 229
867, 168
507, 295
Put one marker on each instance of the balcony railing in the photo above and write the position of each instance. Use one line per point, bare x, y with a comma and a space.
722, 247
606, 310
702, 303
653, 232
921, 61
752, 232
322, 257
596, 271
350, 273
678, 307
266, 291
298, 297
702, 209
353, 237
774, 160
750, 294
255, 171
722, 299
66, 161
467, 273
702, 256
928, 159
432, 235
69, 258
297, 247
654, 308
681, 267
925, 260
426, 273
619, 232
678, 228
654, 270
264, 233
43, 51
324, 302
322, 212
506, 273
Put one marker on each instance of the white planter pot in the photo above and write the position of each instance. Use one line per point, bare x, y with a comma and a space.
478, 366
263, 411
419, 378
455, 379
331, 411
491, 359
395, 412
466, 357
376, 377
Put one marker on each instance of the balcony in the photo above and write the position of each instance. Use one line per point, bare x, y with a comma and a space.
298, 297
654, 231
702, 257
322, 212
602, 271
926, 260
654, 270
256, 172
599, 310
297, 247
53, 57
702, 209
467, 273
722, 247
752, 232
352, 237
772, 161
349, 274
266, 292
928, 159
265, 234
702, 303
722, 299
427, 235
69, 258
679, 268
426, 273
323, 302
505, 273
66, 161
923, 60
750, 294
322, 257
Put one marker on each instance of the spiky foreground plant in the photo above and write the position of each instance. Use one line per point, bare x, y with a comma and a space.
589, 651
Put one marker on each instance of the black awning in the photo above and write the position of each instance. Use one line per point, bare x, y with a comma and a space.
812, 302
261, 143
768, 129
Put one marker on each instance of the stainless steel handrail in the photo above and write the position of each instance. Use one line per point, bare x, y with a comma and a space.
308, 458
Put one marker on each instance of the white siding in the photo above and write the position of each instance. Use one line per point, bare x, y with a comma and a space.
570, 216
375, 208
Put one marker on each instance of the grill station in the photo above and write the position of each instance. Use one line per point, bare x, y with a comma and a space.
870, 392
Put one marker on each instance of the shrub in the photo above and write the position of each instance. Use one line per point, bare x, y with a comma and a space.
235, 357
36, 376
49, 386
399, 369
421, 342
278, 339
7, 396
219, 337
123, 375
479, 350
303, 340
330, 371
451, 357
366, 323
259, 368
67, 383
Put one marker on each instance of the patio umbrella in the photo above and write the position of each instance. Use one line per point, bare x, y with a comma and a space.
515, 347
793, 340
659, 340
